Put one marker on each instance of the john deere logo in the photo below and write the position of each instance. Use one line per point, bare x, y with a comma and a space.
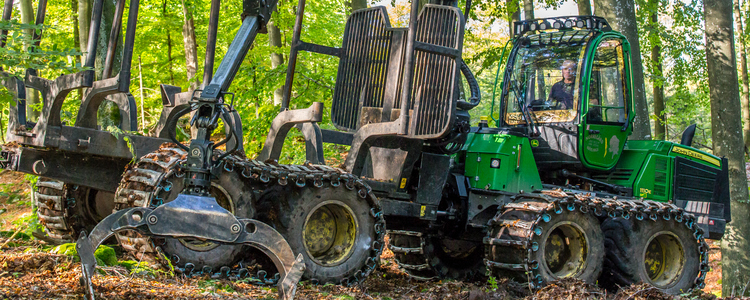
534, 143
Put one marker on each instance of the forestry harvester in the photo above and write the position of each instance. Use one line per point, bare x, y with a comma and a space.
554, 190
208, 211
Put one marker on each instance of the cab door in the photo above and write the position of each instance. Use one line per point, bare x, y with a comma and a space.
607, 103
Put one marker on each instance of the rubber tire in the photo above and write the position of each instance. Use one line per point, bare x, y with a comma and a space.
443, 266
626, 241
73, 212
287, 207
223, 255
590, 227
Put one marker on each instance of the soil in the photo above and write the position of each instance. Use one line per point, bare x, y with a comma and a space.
29, 271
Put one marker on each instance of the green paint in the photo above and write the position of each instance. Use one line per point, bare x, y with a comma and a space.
648, 167
492, 162
600, 144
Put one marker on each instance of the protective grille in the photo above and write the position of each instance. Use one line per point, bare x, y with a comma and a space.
363, 67
433, 93
694, 181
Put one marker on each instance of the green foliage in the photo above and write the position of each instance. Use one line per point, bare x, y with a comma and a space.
105, 256
492, 281
216, 285
68, 249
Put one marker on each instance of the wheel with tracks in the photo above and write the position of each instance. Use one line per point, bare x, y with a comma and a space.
663, 253
154, 180
552, 241
426, 256
336, 228
66, 209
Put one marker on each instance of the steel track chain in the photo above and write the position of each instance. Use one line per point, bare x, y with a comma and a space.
559, 202
416, 254
264, 173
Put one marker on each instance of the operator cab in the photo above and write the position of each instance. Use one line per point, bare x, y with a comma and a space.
567, 87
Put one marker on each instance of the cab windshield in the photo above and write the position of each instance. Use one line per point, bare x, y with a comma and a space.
544, 78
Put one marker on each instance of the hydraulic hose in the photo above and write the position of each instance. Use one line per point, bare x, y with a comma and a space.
476, 94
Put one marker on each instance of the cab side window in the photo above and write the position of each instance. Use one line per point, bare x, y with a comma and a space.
608, 87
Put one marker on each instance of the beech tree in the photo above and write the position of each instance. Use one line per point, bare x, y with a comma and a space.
726, 126
621, 16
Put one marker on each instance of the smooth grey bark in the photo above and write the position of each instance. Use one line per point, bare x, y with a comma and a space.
584, 7
108, 114
621, 16
277, 58
514, 13
165, 15
358, 4
528, 9
745, 81
726, 127
84, 24
191, 47
76, 37
660, 124
108, 17
32, 95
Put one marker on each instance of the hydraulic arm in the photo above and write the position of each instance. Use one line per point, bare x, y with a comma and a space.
195, 213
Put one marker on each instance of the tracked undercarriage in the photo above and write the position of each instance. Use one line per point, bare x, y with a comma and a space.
255, 190
551, 191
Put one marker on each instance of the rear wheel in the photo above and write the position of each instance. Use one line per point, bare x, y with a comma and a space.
426, 256
66, 209
334, 228
663, 253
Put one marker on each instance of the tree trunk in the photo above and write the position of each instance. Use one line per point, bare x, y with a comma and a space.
358, 4
108, 114
169, 45
277, 58
77, 38
32, 95
621, 16
514, 14
726, 125
528, 9
108, 17
660, 124
745, 82
191, 47
84, 25
584, 7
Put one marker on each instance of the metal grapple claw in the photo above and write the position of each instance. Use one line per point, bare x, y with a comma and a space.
197, 217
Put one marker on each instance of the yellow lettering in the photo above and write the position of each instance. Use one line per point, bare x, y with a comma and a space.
696, 155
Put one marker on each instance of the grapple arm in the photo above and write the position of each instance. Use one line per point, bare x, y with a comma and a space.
146, 221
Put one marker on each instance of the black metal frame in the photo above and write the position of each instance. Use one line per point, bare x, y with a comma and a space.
402, 58
85, 155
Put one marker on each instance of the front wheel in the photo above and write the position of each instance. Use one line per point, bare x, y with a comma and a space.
532, 242
335, 228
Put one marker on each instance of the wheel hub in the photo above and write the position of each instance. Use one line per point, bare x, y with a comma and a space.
329, 233
664, 259
565, 250
225, 201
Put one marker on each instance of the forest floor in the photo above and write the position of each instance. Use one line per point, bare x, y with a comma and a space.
29, 269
